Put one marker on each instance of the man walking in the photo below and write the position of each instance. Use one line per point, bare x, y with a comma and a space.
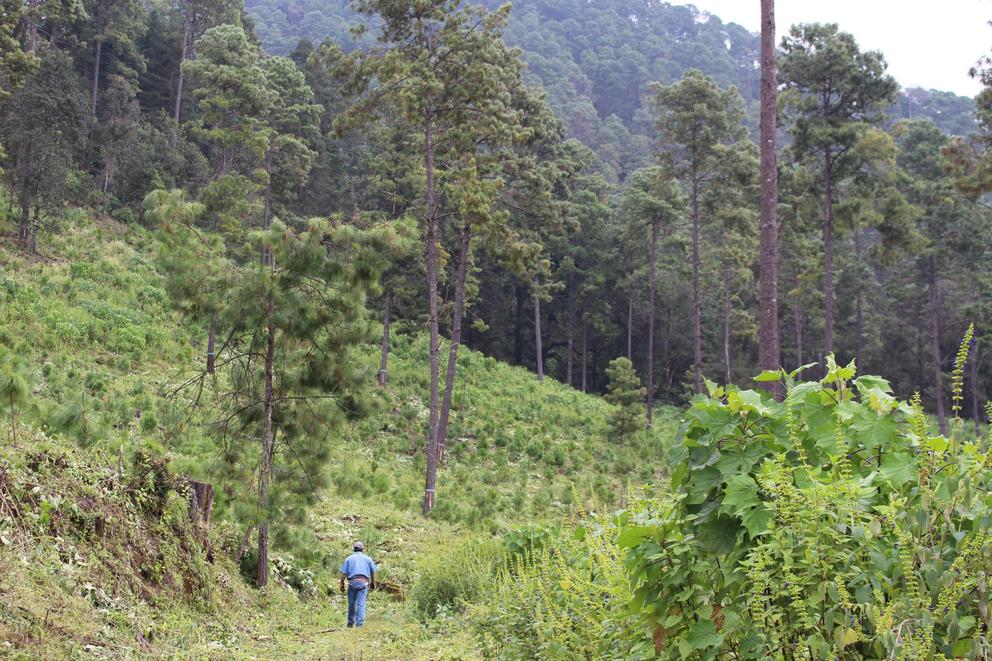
359, 570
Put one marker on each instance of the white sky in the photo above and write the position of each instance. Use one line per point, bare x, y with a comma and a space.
927, 43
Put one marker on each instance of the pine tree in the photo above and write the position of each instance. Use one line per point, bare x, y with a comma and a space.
15, 63
833, 89
286, 361
197, 17
729, 201
698, 123
445, 71
769, 355
14, 389
947, 223
115, 23
626, 394
44, 123
651, 204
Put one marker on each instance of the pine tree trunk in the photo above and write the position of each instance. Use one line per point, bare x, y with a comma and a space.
666, 348
25, 233
697, 327
570, 356
456, 338
212, 344
652, 307
24, 200
799, 333
938, 379
96, 75
520, 294
630, 328
265, 470
585, 356
828, 256
267, 203
384, 353
183, 55
769, 351
32, 26
726, 324
920, 353
859, 331
432, 258
33, 230
538, 348
108, 177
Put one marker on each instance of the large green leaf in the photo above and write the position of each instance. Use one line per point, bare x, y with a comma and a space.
899, 468
702, 635
702, 482
873, 431
963, 648
753, 400
836, 373
822, 425
631, 537
741, 494
878, 401
768, 376
740, 458
868, 382
719, 534
756, 520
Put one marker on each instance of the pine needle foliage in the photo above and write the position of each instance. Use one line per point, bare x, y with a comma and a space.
14, 390
290, 333
627, 395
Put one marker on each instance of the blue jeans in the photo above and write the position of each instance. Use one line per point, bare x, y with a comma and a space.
357, 593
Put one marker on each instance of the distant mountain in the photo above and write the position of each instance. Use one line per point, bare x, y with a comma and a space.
597, 59
955, 115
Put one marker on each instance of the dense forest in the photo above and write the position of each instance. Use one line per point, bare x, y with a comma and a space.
218, 215
128, 80
599, 86
596, 62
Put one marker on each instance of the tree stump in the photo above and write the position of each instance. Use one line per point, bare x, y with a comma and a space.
394, 589
201, 503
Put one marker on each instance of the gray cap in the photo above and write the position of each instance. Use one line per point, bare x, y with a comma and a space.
359, 546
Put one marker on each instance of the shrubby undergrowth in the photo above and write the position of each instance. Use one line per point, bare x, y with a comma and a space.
90, 546
833, 524
565, 598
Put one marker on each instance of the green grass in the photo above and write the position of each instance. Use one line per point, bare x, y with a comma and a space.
518, 450
91, 326
144, 588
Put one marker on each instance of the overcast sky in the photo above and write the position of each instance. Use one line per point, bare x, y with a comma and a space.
927, 43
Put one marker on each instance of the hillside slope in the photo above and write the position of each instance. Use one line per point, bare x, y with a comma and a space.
92, 327
101, 563
97, 555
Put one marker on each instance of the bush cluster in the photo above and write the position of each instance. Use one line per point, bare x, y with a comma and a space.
833, 524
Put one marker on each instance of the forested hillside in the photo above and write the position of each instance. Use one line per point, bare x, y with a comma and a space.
679, 331
89, 329
596, 61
